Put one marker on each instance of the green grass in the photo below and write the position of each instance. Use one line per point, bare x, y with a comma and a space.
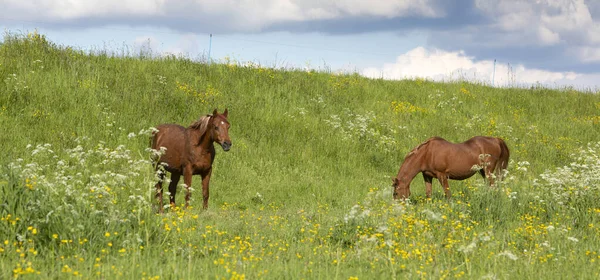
305, 191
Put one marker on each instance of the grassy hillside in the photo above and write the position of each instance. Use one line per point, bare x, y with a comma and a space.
305, 191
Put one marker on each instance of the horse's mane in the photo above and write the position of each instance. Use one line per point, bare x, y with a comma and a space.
416, 149
201, 124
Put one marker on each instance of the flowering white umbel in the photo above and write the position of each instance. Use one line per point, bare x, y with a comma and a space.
573, 239
468, 248
509, 255
579, 180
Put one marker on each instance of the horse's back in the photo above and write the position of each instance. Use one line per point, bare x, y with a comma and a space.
173, 138
468, 151
438, 145
486, 144
446, 153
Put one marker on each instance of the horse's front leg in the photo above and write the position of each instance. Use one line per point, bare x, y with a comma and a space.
428, 180
187, 180
205, 192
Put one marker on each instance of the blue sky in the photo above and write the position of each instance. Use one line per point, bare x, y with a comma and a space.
553, 42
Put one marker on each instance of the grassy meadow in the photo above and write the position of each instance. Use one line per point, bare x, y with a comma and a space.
304, 193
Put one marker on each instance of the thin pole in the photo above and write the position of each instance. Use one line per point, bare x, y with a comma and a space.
494, 74
209, 47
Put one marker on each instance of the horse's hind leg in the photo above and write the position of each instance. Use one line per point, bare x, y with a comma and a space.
486, 175
187, 179
205, 190
173, 188
482, 173
159, 190
489, 170
444, 182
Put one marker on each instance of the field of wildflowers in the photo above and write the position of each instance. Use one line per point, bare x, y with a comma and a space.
304, 193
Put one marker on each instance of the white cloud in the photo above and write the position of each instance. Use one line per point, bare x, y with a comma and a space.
586, 54
549, 21
386, 8
246, 15
442, 65
547, 36
57, 10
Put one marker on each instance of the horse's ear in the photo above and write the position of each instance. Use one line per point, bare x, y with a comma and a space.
225, 113
215, 112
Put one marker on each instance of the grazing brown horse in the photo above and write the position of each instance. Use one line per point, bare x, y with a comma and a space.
190, 151
438, 158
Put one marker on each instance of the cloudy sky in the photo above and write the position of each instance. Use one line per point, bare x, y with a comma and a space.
508, 42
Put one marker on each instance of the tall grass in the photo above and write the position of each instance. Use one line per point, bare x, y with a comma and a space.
305, 191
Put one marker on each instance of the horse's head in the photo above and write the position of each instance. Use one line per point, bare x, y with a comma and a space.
220, 129
401, 188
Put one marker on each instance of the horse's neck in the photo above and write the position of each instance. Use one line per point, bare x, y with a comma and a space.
203, 141
410, 168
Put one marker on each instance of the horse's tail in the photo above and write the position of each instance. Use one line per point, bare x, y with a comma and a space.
153, 139
503, 158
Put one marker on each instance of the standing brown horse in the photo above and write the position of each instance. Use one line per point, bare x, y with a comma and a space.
190, 151
438, 158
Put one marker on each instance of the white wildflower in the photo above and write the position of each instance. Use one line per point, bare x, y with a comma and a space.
389, 243
433, 216
509, 255
467, 249
571, 238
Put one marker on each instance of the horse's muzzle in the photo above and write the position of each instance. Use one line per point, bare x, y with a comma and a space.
226, 146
